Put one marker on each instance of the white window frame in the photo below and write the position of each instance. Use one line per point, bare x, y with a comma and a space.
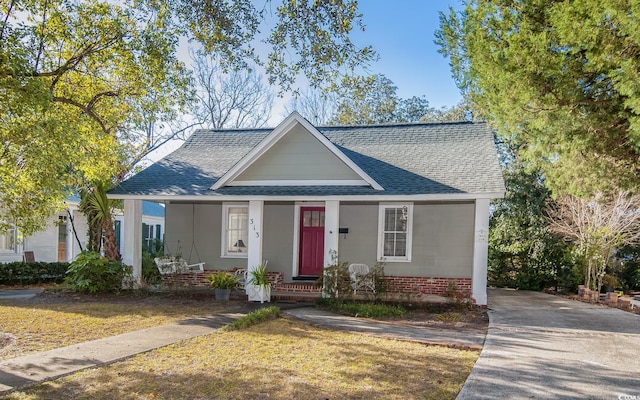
409, 232
224, 235
14, 249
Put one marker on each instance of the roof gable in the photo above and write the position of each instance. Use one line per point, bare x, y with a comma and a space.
295, 153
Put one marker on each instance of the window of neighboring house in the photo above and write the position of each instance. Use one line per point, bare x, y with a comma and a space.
8, 240
147, 237
235, 237
395, 223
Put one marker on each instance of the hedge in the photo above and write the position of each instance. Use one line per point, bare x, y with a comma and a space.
22, 273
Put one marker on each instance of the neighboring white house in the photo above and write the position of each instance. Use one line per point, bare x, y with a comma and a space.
152, 225
59, 242
414, 196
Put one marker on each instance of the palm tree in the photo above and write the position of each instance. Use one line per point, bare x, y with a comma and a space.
99, 212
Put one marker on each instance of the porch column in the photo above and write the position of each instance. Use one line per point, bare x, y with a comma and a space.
331, 226
480, 252
254, 251
132, 237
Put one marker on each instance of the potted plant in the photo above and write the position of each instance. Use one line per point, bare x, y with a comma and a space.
258, 286
222, 283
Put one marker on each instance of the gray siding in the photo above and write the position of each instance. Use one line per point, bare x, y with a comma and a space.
360, 244
277, 235
300, 156
277, 246
442, 239
208, 229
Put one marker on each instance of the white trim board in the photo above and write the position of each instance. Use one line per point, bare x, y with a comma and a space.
377, 197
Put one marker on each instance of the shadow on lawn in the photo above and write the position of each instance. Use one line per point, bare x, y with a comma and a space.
144, 304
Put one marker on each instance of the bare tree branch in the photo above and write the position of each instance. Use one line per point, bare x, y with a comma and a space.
597, 226
233, 99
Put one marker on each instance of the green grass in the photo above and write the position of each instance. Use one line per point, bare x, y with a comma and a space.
277, 359
363, 309
449, 316
253, 318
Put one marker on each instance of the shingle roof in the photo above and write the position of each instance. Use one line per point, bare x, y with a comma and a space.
406, 159
151, 209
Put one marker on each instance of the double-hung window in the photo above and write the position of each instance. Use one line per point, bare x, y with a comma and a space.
235, 237
395, 222
8, 240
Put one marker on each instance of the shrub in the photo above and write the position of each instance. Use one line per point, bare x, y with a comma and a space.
253, 318
92, 273
222, 280
362, 309
21, 273
150, 273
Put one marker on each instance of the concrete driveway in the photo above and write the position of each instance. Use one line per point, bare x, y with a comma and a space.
541, 346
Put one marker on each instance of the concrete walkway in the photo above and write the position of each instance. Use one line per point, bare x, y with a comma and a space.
390, 330
541, 346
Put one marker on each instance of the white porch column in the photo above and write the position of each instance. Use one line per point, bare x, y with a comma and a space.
331, 226
480, 252
254, 251
132, 237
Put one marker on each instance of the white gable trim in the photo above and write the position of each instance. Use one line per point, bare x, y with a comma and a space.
272, 138
294, 182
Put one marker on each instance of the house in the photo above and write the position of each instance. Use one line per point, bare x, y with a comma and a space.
414, 196
152, 225
61, 240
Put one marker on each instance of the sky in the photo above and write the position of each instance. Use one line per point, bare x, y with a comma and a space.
402, 32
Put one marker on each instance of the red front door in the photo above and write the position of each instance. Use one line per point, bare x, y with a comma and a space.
311, 253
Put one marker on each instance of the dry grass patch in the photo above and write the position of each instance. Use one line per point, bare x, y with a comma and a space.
279, 359
52, 321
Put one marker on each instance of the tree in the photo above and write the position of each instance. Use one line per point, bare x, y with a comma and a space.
462, 111
563, 77
318, 107
598, 226
79, 80
523, 252
373, 100
98, 209
234, 99
72, 74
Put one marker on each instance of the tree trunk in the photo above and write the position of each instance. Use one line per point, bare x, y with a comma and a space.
111, 250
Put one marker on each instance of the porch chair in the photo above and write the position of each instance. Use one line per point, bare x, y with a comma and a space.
29, 257
361, 278
171, 265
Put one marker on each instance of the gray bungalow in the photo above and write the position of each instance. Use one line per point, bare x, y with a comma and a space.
415, 196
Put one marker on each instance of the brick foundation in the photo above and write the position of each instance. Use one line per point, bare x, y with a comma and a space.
426, 285
413, 285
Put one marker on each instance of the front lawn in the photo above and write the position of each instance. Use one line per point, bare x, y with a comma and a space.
56, 320
278, 359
